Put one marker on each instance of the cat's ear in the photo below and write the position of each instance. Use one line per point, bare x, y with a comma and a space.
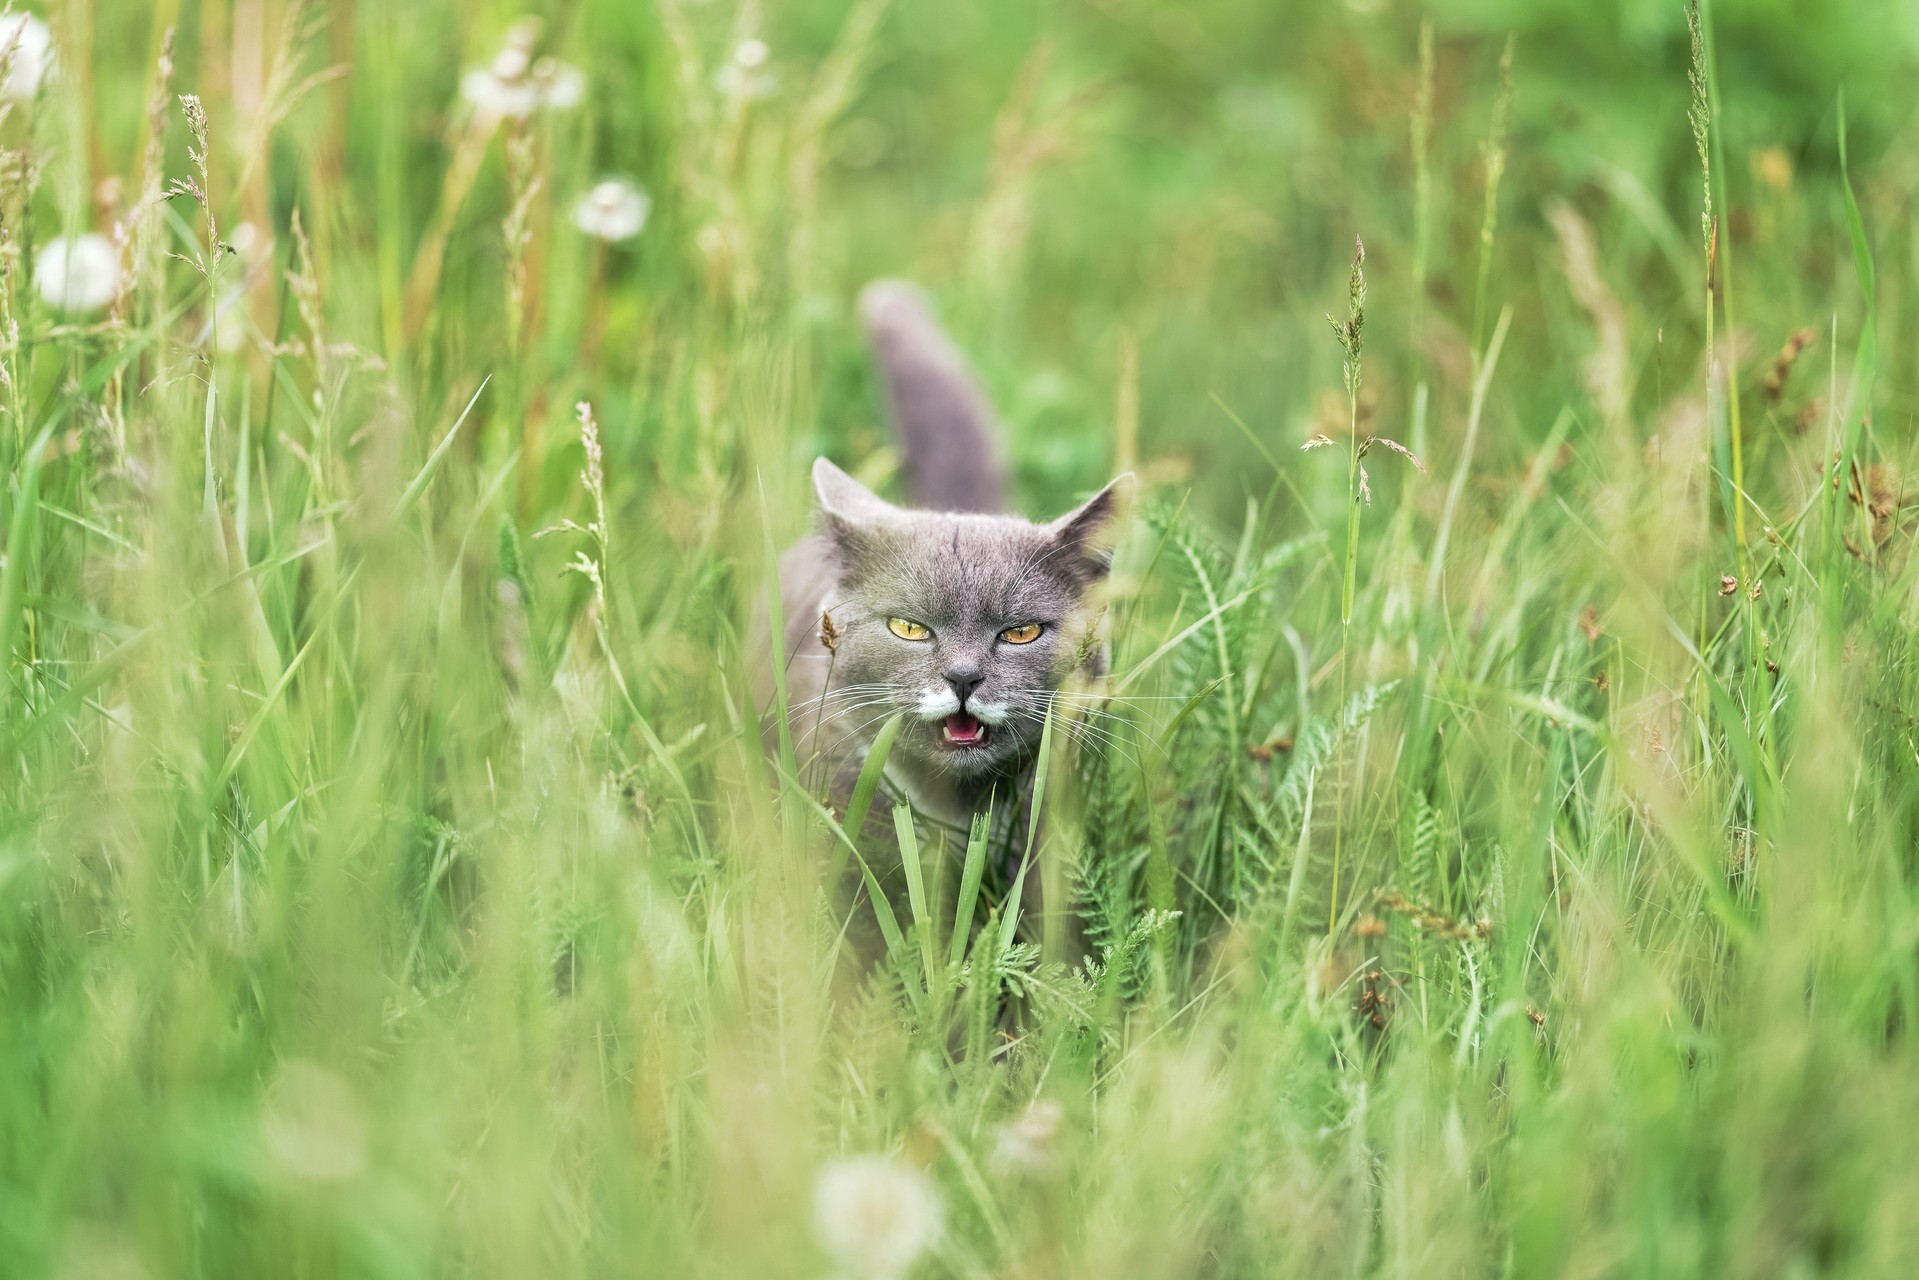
846, 506
1088, 529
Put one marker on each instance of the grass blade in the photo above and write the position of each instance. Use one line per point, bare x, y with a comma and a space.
1865, 359
865, 789
776, 623
916, 888
1010, 912
970, 874
19, 550
434, 460
882, 909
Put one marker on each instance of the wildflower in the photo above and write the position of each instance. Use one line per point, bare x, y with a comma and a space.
562, 85
503, 87
514, 86
747, 76
78, 273
27, 47
1772, 166
312, 1124
1029, 1145
614, 210
874, 1215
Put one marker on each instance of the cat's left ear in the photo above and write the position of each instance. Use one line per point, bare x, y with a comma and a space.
850, 514
844, 500
1088, 529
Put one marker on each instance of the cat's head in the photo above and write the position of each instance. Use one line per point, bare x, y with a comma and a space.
969, 623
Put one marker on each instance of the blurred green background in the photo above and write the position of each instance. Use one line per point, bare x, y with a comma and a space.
392, 882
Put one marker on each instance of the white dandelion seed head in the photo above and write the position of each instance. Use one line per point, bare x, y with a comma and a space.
874, 1215
511, 63
312, 1123
78, 273
614, 210
494, 95
747, 75
561, 85
514, 86
30, 46
1029, 1144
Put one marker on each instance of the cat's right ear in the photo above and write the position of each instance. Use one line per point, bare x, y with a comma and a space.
847, 507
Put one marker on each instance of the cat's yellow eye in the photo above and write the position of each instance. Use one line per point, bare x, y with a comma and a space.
1025, 633
907, 629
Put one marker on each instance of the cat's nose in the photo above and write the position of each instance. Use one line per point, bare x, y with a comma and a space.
964, 681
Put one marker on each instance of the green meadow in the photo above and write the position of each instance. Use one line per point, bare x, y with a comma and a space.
1495, 851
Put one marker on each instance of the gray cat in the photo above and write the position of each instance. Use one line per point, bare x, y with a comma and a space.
968, 620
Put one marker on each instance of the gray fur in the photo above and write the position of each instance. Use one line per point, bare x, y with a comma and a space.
964, 573
948, 451
965, 576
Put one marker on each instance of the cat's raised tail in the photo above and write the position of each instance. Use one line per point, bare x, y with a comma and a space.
948, 448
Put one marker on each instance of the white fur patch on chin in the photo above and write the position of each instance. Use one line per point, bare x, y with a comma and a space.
937, 704
987, 712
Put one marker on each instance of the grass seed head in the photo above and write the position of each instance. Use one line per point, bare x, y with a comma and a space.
1782, 363
1699, 116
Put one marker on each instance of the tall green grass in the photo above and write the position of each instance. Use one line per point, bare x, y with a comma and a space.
397, 877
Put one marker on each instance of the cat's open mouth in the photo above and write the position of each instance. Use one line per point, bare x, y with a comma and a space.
963, 730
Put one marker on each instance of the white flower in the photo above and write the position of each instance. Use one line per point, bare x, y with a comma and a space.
81, 273
562, 85
497, 97
614, 210
29, 44
514, 86
1030, 1144
747, 76
874, 1215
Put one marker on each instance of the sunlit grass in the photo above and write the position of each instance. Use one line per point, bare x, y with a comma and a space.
1503, 870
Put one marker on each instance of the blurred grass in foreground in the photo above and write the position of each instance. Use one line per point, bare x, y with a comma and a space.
379, 898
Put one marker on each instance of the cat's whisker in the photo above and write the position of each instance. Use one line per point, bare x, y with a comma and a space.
1084, 734
850, 693
841, 714
1083, 729
859, 728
